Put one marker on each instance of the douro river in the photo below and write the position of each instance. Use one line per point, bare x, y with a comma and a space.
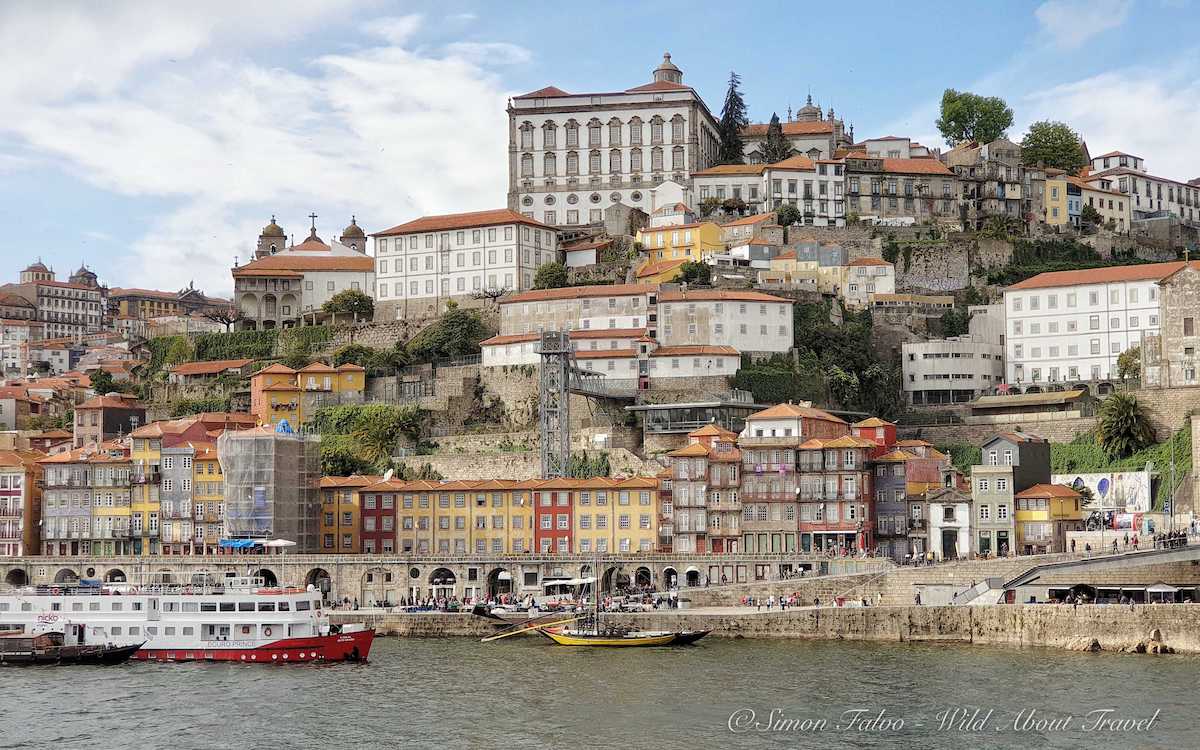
527, 693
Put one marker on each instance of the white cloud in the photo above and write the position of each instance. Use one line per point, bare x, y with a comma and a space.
1154, 113
1070, 23
387, 132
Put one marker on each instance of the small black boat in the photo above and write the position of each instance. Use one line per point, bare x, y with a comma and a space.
21, 649
688, 637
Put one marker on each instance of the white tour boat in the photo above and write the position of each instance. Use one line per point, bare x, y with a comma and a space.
230, 619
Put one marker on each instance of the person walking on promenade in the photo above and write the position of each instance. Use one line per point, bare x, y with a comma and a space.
758, 602
917, 599
770, 602
1072, 546
1135, 542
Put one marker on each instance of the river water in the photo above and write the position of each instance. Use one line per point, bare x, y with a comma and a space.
527, 693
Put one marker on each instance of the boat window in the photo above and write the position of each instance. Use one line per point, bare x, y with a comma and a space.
245, 606
75, 606
316, 603
137, 606
284, 607
26, 607
208, 606
117, 606
114, 631
226, 606
133, 630
169, 631
151, 631
190, 607
170, 606
189, 631
55, 606
3, 606
301, 606
93, 606
266, 606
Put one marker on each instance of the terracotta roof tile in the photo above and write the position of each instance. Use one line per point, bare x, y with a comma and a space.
731, 169
709, 295
1048, 490
869, 262
286, 262
469, 220
754, 219
693, 350
548, 92
808, 127
791, 411
580, 292
1108, 274
662, 266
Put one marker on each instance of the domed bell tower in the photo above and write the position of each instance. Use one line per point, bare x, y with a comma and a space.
667, 71
354, 237
272, 240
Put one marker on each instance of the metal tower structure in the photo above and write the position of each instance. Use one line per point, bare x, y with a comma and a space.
554, 401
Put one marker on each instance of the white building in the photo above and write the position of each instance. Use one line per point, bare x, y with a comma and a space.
573, 155
429, 260
1072, 325
865, 277
1126, 173
953, 370
690, 331
811, 133
281, 285
949, 523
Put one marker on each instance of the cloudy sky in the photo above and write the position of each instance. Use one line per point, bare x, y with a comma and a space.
154, 140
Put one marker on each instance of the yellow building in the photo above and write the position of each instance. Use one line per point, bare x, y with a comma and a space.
279, 392
112, 526
1045, 513
662, 272
208, 499
786, 269
1055, 199
145, 505
682, 241
613, 515
340, 516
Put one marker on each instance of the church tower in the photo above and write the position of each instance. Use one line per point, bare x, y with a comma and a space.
354, 237
36, 272
271, 240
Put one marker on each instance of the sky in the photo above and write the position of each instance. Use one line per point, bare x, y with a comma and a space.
154, 140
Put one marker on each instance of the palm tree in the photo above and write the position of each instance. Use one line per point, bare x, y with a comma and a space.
1123, 429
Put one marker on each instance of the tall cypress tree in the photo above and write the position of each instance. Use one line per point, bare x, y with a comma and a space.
775, 147
733, 122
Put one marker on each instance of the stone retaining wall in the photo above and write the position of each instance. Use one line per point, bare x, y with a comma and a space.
1056, 431
1113, 627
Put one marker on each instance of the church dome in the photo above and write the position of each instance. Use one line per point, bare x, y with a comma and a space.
354, 230
38, 267
273, 229
668, 71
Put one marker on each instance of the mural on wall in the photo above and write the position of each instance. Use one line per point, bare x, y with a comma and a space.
1125, 491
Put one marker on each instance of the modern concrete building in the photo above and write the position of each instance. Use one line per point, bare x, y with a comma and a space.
947, 371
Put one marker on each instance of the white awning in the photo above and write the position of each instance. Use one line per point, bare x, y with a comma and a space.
504, 576
692, 569
1162, 588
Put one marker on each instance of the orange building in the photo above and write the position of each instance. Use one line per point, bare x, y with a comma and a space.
340, 521
279, 392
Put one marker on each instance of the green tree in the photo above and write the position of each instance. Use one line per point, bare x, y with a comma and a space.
787, 215
181, 351
1129, 363
552, 275
1089, 215
1123, 428
102, 383
733, 122
955, 322
694, 272
353, 354
775, 148
1053, 144
843, 386
456, 333
971, 117
350, 301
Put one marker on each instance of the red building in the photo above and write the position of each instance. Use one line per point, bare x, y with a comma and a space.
377, 517
553, 517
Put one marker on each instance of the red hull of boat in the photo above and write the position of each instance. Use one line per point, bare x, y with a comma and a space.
353, 646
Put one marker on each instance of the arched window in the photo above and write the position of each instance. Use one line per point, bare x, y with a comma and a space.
549, 165
635, 131
656, 159
656, 129
527, 165
677, 158
572, 163
614, 132
549, 135
677, 129
614, 161
594, 162
572, 134
635, 160
526, 135
594, 133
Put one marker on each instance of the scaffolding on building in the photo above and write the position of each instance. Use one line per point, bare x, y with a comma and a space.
272, 485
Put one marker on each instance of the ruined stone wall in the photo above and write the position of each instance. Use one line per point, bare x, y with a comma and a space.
1056, 431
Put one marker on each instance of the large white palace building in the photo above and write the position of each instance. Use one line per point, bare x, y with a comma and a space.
573, 155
